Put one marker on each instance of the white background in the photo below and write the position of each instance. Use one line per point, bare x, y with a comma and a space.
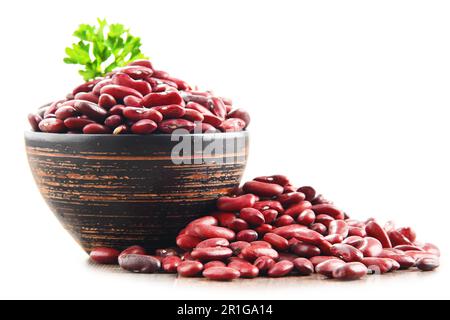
349, 96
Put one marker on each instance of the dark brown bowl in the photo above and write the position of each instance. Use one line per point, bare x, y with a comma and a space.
118, 191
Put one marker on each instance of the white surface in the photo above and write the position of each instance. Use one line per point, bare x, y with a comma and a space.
349, 96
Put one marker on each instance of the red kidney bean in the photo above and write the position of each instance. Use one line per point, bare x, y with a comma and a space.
86, 97
162, 99
355, 231
409, 248
404, 261
289, 232
350, 271
117, 110
95, 128
232, 125
327, 267
139, 263
193, 115
324, 219
221, 274
218, 108
213, 264
113, 121
339, 227
281, 269
374, 230
261, 243
253, 252
303, 266
100, 85
134, 250
210, 254
201, 127
264, 264
334, 238
309, 192
181, 85
106, 101
247, 235
371, 247
306, 218
168, 252
346, 252
142, 63
85, 87
238, 246
431, 248
378, 265
120, 92
319, 228
309, 236
320, 199
292, 198
206, 220
428, 264
212, 120
125, 80
208, 232
187, 242
160, 74
241, 114
132, 101
319, 259
136, 114
329, 210
263, 189
172, 111
52, 125
354, 241
34, 120
305, 250
263, 229
77, 123
91, 110
104, 255
398, 239
225, 218
299, 208
418, 255
136, 71
169, 126
355, 223
199, 108
269, 204
236, 203
270, 215
275, 179
239, 224
409, 233
214, 242
277, 242
284, 220
190, 268
171, 264
289, 189
145, 126
246, 269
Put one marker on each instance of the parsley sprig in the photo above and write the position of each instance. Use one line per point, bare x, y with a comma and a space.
103, 48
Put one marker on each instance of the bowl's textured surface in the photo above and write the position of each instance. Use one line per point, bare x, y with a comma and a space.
118, 191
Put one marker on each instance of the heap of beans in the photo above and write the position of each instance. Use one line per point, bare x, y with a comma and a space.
138, 99
270, 228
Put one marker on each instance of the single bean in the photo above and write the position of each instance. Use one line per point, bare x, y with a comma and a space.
354, 241
339, 227
52, 125
145, 126
247, 235
95, 128
319, 259
125, 80
86, 96
398, 239
408, 233
238, 246
278, 242
263, 189
187, 242
330, 210
233, 125
139, 263
236, 203
136, 72
419, 255
104, 255
431, 248
214, 242
100, 85
212, 120
160, 74
189, 268
252, 216
241, 114
281, 269
304, 250
327, 267
246, 269
261, 243
428, 264
206, 220
264, 228
142, 63
168, 252
132, 101
34, 120
269, 204
275, 179
93, 111
284, 220
309, 192
346, 252
371, 247
208, 232
117, 110
171, 264
162, 99
307, 217
225, 219
221, 274
378, 265
270, 215
77, 123
172, 111
218, 108
334, 238
85, 87
356, 231
193, 115
113, 121
409, 248
120, 92
319, 228
169, 126
122, 129
374, 230
350, 271
303, 266
106, 101
264, 264
134, 250
199, 108
210, 254
289, 232
404, 261
239, 224
136, 114
213, 264
254, 252
292, 198
299, 208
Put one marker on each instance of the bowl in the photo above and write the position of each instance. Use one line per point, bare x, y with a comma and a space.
118, 191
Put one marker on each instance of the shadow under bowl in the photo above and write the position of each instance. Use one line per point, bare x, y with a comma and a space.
119, 191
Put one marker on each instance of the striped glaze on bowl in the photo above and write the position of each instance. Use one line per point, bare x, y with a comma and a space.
119, 191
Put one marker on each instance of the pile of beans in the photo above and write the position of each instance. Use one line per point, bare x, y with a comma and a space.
137, 99
271, 228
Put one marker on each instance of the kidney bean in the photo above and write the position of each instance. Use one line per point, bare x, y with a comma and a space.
289, 232
139, 263
187, 242
193, 115
136, 72
270, 215
334, 238
319, 228
162, 99
309, 192
327, 267
309, 236
236, 203
247, 235
378, 265
208, 232
253, 252
181, 85
91, 110
201, 127
142, 63
292, 198
419, 255
172, 111
263, 189
239, 224
113, 121
122, 129
263, 229
350, 271
329, 210
374, 230
324, 219
355, 231
305, 250
104, 255
306, 218
34, 120
264, 264
120, 92
320, 199
52, 125
275, 179
404, 261
281, 269
319, 259
86, 97
134, 250
241, 114
428, 264
232, 125
77, 123
206, 220
100, 85
409, 233
289, 189
212, 120
299, 208
201, 109
339, 227
238, 246
287, 256
354, 241
169, 126
371, 247
132, 101
221, 274
355, 223
106, 101
145, 126
346, 252
210, 254
303, 266
409, 248
136, 114
117, 110
225, 219
95, 128
189, 268
431, 248
246, 269
261, 243
213, 264
85, 87
284, 220
213, 242
398, 239
171, 264
125, 80
218, 108
160, 74
168, 252
269, 204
